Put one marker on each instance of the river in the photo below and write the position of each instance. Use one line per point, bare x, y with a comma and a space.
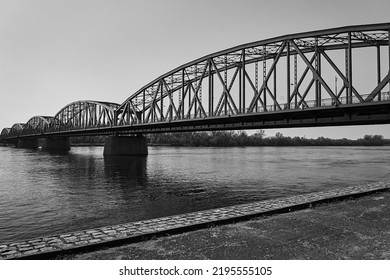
45, 193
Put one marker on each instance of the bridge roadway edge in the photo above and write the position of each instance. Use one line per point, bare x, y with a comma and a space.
93, 239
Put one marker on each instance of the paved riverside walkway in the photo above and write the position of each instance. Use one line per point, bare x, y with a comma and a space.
42, 248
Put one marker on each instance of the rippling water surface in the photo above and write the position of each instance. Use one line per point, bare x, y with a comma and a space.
44, 193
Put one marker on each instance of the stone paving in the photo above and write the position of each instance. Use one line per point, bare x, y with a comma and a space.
40, 247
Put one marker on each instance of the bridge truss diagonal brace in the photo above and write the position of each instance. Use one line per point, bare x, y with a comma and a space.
171, 103
185, 89
315, 73
195, 98
305, 94
342, 76
153, 103
255, 90
225, 96
271, 70
296, 89
378, 88
134, 112
126, 112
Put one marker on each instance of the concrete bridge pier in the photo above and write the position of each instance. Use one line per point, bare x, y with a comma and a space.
11, 143
54, 144
29, 143
126, 145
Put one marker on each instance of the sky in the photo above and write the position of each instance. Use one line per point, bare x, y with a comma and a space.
56, 52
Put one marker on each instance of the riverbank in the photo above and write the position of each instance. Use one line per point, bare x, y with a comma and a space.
241, 138
78, 243
357, 228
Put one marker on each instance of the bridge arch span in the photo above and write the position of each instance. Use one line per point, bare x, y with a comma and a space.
291, 72
16, 130
37, 124
4, 133
84, 114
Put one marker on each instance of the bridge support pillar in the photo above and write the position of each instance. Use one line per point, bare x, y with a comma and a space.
11, 142
8, 143
27, 143
54, 144
126, 145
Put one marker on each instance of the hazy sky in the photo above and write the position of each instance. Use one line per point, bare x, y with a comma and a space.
55, 52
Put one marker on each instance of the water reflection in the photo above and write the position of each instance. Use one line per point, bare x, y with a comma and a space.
126, 171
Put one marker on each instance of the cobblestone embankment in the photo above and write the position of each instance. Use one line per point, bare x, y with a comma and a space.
104, 236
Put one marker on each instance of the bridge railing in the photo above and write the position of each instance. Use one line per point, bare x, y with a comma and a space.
328, 102
70, 127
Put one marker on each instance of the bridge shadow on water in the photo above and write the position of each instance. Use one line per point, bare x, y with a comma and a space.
128, 171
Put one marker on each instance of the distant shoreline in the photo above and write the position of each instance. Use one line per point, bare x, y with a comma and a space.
241, 139
204, 146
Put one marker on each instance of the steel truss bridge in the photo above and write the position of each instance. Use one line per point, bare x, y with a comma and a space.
330, 77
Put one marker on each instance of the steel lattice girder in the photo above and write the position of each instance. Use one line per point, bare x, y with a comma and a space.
232, 86
16, 129
84, 114
4, 133
180, 93
37, 124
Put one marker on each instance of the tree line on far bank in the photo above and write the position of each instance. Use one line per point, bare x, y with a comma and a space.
241, 138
